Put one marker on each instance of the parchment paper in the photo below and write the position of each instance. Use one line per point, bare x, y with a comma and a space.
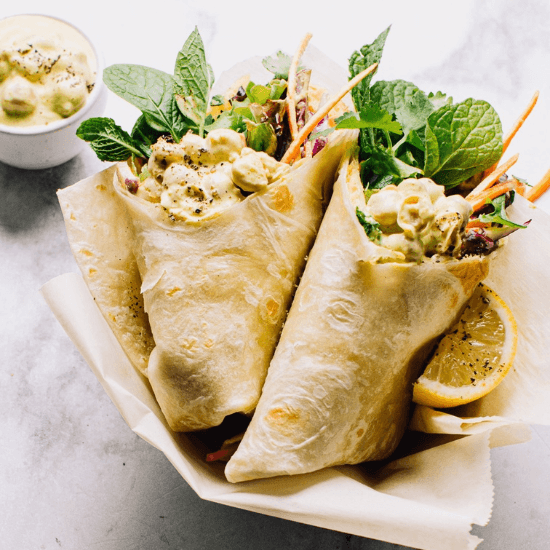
436, 486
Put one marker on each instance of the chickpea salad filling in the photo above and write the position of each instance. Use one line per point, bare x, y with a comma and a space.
428, 168
197, 154
415, 219
198, 178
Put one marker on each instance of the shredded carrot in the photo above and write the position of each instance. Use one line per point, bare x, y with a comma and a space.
521, 188
476, 223
291, 92
515, 128
539, 189
294, 148
480, 200
493, 177
519, 122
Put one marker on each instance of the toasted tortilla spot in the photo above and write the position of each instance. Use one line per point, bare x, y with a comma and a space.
283, 200
86, 252
470, 273
284, 420
360, 432
272, 307
208, 343
188, 343
92, 271
73, 217
173, 291
101, 187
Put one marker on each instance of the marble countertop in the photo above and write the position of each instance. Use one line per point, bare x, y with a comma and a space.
72, 474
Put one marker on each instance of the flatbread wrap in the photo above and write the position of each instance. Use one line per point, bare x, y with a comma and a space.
204, 233
216, 292
409, 233
339, 386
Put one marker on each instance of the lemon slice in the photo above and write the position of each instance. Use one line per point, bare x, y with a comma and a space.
473, 357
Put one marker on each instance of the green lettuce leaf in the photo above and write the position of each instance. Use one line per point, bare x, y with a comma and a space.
261, 137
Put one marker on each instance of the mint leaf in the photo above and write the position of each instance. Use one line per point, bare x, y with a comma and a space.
461, 140
370, 116
359, 61
380, 162
416, 139
109, 141
499, 214
145, 135
151, 91
439, 99
194, 78
279, 65
191, 111
406, 101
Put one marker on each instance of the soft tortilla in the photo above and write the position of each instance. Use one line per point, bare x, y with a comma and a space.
340, 383
100, 236
216, 294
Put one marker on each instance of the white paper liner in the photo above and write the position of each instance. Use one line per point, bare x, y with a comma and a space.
427, 499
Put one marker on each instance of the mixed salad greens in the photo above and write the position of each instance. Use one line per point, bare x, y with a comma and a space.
176, 104
404, 132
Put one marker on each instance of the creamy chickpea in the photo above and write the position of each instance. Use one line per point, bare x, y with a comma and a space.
47, 70
416, 220
199, 178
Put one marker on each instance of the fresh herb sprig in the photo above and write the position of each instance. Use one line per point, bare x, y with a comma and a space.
178, 103
169, 104
434, 137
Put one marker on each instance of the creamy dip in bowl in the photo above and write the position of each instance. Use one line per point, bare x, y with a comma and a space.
50, 80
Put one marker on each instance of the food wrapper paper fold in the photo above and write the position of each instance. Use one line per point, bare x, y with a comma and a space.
437, 486
439, 481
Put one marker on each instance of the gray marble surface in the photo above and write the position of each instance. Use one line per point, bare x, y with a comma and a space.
72, 474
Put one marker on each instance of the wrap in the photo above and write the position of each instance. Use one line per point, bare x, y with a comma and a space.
339, 386
215, 293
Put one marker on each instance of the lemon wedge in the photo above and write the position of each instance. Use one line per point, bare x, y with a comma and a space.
473, 357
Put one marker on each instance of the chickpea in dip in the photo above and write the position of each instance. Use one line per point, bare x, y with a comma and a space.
199, 178
47, 70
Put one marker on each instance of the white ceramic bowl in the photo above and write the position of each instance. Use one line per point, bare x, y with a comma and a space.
45, 146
